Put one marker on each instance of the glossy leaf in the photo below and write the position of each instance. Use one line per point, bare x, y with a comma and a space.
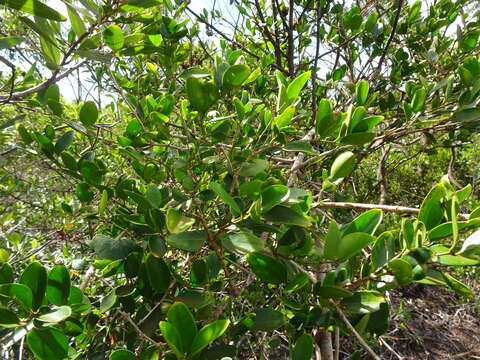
363, 302
47, 344
361, 92
267, 320
10, 41
177, 223
189, 241
267, 268
182, 319
225, 197
8, 318
343, 165
88, 113
431, 210
58, 285
274, 195
287, 216
35, 277
296, 86
158, 273
18, 292
172, 337
236, 75
303, 348
208, 334
34, 7
242, 242
122, 354
113, 36
367, 223
57, 315
113, 249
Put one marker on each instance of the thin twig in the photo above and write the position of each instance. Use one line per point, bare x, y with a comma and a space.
354, 332
137, 329
387, 208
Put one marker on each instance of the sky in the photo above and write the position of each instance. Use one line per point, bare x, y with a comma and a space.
67, 85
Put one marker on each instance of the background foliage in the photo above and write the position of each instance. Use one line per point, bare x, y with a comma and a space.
232, 185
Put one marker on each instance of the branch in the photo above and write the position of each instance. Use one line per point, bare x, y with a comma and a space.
354, 332
387, 208
43, 85
390, 39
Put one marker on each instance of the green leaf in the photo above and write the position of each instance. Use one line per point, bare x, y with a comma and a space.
300, 146
402, 270
457, 286
47, 344
286, 216
383, 250
154, 196
34, 7
236, 75
35, 277
296, 86
254, 167
88, 113
332, 292
267, 320
267, 268
201, 94
77, 23
113, 36
18, 292
471, 246
182, 319
342, 248
172, 337
208, 334
418, 101
177, 223
108, 301
298, 282
285, 117
50, 53
64, 141
446, 229
113, 249
303, 348
158, 273
431, 210
274, 195
363, 302
242, 242
367, 223
189, 241
6, 273
58, 285
83, 192
56, 316
467, 115
451, 260
122, 354
325, 123
331, 241
352, 243
343, 165
226, 198
361, 92
10, 41
8, 318
103, 202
